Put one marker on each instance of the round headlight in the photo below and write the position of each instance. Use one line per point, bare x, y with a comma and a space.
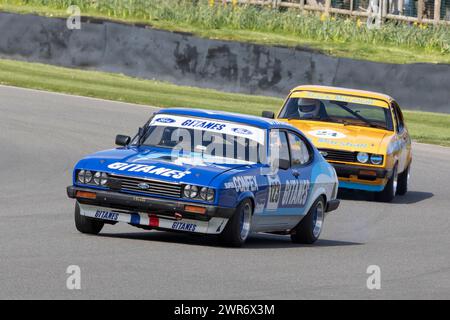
104, 178
97, 178
87, 176
81, 176
362, 157
100, 178
376, 159
203, 193
210, 195
190, 191
207, 194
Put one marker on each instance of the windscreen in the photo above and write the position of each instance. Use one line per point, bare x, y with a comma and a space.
214, 141
338, 109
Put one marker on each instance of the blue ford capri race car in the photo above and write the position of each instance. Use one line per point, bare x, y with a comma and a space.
208, 172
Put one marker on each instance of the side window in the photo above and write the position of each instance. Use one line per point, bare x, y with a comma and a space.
279, 145
398, 117
300, 154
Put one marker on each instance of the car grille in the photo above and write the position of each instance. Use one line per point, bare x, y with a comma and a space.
338, 155
128, 184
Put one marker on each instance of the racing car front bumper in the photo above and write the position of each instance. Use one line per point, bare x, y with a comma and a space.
362, 178
149, 205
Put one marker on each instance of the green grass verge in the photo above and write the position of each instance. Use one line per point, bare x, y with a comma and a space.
341, 37
425, 127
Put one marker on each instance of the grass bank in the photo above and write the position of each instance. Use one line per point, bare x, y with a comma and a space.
425, 127
343, 37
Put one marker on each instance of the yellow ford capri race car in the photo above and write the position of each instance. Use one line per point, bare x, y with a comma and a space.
361, 133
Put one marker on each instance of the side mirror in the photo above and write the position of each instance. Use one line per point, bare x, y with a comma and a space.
284, 164
122, 140
268, 114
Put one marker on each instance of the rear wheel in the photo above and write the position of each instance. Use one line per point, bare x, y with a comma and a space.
238, 227
403, 180
85, 224
309, 229
390, 190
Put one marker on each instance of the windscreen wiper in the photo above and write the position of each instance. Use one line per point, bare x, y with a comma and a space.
370, 123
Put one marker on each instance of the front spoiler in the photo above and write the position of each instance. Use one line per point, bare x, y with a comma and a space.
346, 170
153, 221
134, 203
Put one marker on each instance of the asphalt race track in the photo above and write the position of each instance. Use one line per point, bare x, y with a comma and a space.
42, 135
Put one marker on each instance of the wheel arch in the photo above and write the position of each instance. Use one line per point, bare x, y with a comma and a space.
244, 196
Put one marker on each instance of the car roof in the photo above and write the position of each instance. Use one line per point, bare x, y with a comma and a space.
260, 122
351, 92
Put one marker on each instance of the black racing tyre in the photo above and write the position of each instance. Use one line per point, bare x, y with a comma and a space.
309, 229
390, 190
85, 224
238, 227
403, 179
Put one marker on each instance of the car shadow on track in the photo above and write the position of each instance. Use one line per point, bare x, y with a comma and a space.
410, 197
256, 241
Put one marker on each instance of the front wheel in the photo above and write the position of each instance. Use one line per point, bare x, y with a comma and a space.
85, 224
309, 229
390, 190
238, 227
403, 180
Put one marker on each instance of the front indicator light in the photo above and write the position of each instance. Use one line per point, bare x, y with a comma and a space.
195, 209
86, 195
362, 157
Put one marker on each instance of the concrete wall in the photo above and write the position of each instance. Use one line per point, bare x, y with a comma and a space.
229, 66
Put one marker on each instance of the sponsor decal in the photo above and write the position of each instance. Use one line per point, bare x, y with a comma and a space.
245, 183
296, 192
241, 131
182, 226
203, 124
327, 133
165, 120
106, 215
274, 192
229, 185
153, 170
260, 205
343, 143
228, 128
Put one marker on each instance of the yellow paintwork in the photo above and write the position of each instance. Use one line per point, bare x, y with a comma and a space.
395, 147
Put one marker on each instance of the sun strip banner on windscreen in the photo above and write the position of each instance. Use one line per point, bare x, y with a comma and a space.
210, 125
340, 97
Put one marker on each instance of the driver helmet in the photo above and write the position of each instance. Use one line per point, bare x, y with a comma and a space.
308, 108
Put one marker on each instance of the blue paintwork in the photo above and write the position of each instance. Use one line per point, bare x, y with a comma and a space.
219, 177
360, 186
